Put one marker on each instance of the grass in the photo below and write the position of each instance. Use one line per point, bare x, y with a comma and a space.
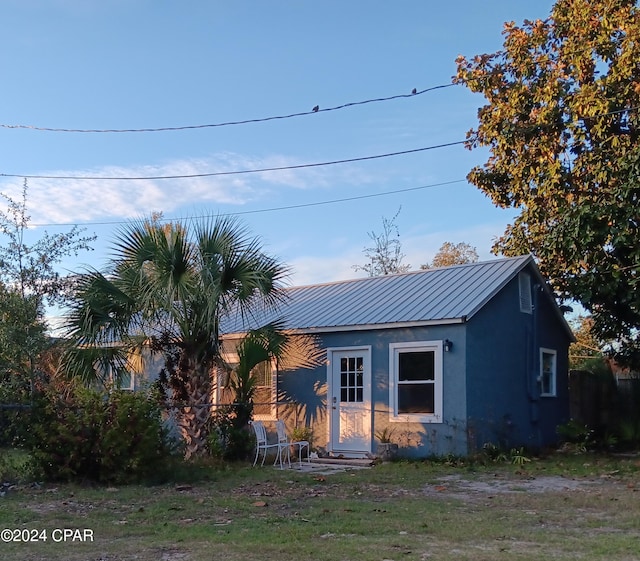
404, 510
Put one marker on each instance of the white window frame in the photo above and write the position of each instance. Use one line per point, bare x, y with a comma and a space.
272, 416
553, 374
132, 383
395, 349
117, 384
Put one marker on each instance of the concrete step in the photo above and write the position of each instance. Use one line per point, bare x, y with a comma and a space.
355, 462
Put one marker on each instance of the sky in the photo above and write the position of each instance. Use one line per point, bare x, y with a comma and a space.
149, 64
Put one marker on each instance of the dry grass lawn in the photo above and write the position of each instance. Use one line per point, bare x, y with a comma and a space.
561, 508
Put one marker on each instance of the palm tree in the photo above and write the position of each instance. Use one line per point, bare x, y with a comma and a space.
166, 292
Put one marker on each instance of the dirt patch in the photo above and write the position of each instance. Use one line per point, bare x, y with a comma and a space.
469, 488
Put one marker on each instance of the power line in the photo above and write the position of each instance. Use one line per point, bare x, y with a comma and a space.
316, 109
272, 209
235, 172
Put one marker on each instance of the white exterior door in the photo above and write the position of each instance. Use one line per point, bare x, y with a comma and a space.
350, 411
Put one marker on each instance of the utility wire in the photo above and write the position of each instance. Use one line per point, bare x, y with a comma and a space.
235, 172
271, 209
316, 109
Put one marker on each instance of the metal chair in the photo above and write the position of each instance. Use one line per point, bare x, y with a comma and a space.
285, 444
261, 443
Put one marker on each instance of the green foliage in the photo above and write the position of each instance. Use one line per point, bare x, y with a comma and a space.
629, 433
22, 340
31, 268
28, 279
107, 437
384, 435
575, 436
228, 438
518, 457
15, 466
167, 289
264, 344
562, 128
303, 434
578, 438
492, 453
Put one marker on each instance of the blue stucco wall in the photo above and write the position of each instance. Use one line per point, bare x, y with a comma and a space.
415, 439
503, 346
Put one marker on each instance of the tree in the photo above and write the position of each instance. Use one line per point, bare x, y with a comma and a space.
385, 256
31, 270
167, 290
562, 128
263, 345
29, 279
453, 254
587, 348
22, 340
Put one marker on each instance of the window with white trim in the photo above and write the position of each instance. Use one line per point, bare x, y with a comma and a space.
415, 389
266, 392
264, 398
127, 380
547, 376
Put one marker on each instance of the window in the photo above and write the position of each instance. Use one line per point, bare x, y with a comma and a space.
415, 389
265, 395
351, 379
547, 378
524, 284
126, 382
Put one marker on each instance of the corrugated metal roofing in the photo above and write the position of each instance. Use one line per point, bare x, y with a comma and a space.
436, 295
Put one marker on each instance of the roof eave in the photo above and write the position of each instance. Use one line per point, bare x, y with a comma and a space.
366, 327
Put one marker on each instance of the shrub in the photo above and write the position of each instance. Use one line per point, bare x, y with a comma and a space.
228, 439
576, 437
87, 434
14, 414
629, 433
15, 466
304, 434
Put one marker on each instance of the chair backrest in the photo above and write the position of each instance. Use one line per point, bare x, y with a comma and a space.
282, 432
261, 433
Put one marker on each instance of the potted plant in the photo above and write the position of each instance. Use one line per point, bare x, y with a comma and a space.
304, 434
387, 449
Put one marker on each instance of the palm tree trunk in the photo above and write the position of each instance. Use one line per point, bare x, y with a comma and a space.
193, 418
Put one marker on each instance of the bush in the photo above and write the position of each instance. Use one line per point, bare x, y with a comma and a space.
629, 434
228, 440
15, 466
14, 414
576, 437
114, 437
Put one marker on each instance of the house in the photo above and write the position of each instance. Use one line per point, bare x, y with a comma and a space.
446, 359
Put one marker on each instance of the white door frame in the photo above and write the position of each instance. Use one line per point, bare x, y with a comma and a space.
363, 447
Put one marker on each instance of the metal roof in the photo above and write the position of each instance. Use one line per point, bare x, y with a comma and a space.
442, 295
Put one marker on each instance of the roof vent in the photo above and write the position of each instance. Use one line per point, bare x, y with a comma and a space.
524, 282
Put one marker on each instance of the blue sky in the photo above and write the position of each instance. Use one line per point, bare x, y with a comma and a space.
130, 64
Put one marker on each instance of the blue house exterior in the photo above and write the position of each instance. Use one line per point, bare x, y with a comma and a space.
445, 359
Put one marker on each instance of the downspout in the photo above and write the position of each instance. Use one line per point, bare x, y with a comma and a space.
534, 397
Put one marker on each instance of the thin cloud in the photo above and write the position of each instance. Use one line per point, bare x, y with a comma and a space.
75, 200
